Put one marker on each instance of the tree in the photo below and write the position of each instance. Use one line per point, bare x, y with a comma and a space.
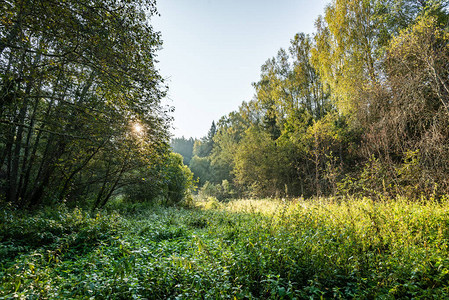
203, 147
260, 165
201, 169
184, 147
75, 78
168, 182
346, 50
351, 40
412, 106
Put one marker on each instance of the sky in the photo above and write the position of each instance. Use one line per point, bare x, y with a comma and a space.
213, 50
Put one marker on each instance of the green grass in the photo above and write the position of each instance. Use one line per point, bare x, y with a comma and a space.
247, 249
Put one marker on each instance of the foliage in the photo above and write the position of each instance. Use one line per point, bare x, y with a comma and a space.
256, 148
257, 164
248, 249
409, 111
203, 147
168, 182
184, 147
179, 182
79, 97
359, 108
220, 192
201, 169
380, 181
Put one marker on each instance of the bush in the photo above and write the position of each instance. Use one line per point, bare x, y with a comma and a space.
220, 191
245, 249
380, 180
168, 183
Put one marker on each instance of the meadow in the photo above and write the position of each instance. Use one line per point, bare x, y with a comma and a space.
242, 249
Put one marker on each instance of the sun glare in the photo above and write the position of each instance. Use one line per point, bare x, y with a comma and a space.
137, 128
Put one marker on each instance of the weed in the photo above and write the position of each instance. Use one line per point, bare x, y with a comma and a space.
245, 249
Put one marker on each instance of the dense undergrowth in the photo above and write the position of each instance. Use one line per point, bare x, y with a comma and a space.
352, 248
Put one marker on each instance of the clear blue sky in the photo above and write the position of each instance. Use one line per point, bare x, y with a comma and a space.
213, 51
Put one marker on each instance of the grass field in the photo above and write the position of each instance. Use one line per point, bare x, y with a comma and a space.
246, 249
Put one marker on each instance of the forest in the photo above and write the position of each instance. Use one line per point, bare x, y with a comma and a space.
359, 108
81, 115
331, 182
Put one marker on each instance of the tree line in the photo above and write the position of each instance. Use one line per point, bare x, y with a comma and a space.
360, 107
81, 117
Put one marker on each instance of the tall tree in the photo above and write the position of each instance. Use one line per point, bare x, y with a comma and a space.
412, 107
184, 147
346, 50
351, 40
76, 76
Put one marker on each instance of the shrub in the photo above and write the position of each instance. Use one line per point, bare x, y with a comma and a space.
219, 191
169, 183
